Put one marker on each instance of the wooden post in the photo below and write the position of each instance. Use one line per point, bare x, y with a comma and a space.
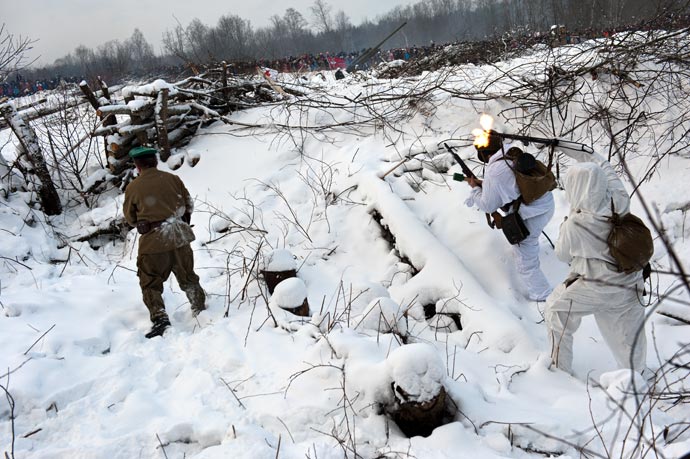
50, 201
90, 96
109, 120
161, 115
104, 88
224, 82
136, 120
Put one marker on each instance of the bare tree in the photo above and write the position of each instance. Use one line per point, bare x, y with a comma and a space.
343, 28
141, 50
321, 14
236, 35
85, 58
113, 57
174, 42
295, 23
12, 52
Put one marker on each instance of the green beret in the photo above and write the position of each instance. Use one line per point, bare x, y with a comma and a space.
140, 152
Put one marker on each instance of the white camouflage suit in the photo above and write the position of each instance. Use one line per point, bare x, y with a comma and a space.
594, 286
499, 188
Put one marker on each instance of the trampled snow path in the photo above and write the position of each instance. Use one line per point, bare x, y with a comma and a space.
238, 387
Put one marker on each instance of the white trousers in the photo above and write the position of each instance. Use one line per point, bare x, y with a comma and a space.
526, 255
622, 327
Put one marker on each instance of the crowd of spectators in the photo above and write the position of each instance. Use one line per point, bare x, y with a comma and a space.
328, 61
17, 85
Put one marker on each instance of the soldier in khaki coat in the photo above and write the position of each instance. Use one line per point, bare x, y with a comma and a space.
160, 207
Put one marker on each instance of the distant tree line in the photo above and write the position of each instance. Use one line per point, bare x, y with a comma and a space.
233, 38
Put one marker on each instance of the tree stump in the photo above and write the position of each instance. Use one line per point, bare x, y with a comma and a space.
417, 393
420, 418
291, 295
278, 265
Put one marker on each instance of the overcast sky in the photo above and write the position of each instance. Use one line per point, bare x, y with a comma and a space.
62, 25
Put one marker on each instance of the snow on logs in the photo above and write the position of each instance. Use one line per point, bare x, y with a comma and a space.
441, 276
168, 114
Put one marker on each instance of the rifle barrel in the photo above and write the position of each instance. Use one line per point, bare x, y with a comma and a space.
525, 138
564, 143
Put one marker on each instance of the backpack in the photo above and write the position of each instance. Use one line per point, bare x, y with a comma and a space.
534, 178
630, 242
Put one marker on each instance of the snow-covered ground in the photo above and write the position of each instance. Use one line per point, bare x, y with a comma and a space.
85, 382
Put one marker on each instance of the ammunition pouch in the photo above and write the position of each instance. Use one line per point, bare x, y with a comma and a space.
514, 228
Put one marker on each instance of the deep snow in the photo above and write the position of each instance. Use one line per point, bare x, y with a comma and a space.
240, 387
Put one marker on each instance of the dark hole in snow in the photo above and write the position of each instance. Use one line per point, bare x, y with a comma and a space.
430, 313
455, 317
390, 238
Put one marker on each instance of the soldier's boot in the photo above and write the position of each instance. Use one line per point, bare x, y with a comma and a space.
153, 299
160, 324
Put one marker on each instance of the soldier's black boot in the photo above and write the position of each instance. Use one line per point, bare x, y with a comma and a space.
159, 326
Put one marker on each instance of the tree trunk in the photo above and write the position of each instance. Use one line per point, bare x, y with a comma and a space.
50, 201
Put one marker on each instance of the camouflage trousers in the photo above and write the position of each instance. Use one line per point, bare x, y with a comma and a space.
154, 269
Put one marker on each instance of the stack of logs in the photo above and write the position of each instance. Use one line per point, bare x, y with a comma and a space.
166, 115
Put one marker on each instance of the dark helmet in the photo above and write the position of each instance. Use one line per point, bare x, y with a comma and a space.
495, 144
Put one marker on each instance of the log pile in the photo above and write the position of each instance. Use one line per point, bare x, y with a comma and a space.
166, 115
475, 52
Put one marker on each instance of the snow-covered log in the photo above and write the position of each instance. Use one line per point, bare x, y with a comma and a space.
39, 174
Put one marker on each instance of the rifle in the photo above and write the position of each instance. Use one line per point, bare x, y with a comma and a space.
465, 170
494, 219
526, 139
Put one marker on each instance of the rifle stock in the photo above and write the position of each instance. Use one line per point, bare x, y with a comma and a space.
465, 170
